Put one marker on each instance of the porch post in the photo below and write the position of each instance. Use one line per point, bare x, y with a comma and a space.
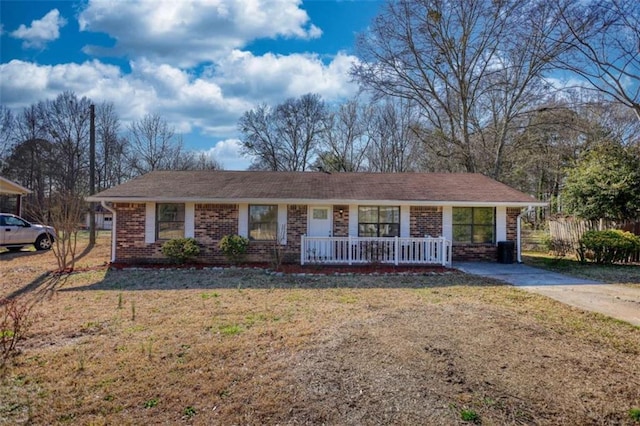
302, 250
397, 249
349, 251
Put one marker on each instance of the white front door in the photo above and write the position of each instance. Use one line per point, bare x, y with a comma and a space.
320, 225
319, 221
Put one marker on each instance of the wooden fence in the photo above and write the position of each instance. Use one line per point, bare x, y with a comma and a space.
566, 232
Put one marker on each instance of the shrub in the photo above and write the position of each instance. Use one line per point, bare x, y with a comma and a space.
181, 249
234, 247
608, 246
15, 319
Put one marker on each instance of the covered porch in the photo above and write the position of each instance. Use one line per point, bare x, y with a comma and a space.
362, 250
11, 196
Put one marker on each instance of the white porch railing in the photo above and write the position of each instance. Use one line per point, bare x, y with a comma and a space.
359, 250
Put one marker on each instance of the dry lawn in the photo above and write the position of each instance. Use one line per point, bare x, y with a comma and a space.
243, 347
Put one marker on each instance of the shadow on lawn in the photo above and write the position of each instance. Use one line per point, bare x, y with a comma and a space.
41, 288
245, 278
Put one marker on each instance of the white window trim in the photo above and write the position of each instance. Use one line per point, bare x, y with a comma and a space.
189, 220
243, 220
150, 223
501, 223
405, 221
353, 220
447, 222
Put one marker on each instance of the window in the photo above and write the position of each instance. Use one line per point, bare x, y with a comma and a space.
474, 224
169, 221
263, 222
378, 221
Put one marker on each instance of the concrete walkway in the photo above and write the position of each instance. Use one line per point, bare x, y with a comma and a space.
612, 300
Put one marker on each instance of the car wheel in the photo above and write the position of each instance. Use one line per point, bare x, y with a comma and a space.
43, 242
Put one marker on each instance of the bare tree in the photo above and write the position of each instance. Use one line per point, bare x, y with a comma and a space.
192, 160
284, 137
6, 125
393, 144
66, 123
153, 145
30, 164
470, 66
605, 47
111, 164
346, 141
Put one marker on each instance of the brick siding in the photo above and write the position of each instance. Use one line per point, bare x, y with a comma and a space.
340, 221
213, 221
130, 244
425, 221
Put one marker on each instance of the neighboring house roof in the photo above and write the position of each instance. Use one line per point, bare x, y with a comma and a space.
12, 188
316, 187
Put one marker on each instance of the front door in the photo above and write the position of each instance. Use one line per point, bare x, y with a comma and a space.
320, 222
320, 225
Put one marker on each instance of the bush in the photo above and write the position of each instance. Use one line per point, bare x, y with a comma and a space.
234, 247
181, 249
15, 319
608, 246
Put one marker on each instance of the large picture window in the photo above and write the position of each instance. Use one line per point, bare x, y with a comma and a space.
474, 225
378, 221
263, 222
169, 221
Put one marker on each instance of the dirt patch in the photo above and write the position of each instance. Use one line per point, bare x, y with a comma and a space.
427, 363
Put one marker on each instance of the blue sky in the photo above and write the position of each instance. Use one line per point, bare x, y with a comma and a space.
199, 64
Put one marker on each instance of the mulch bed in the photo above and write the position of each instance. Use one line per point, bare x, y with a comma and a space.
299, 269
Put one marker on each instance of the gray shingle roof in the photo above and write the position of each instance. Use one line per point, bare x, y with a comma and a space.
248, 186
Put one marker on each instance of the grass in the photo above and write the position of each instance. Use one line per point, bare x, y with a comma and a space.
620, 274
282, 350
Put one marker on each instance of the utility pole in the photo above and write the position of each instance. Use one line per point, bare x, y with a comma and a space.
92, 173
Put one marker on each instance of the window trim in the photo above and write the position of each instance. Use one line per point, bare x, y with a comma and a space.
158, 221
250, 221
472, 225
378, 223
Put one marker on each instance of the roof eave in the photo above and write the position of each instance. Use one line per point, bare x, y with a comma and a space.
304, 201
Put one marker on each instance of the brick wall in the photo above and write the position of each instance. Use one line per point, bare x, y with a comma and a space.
340, 221
425, 220
211, 223
512, 223
475, 252
130, 245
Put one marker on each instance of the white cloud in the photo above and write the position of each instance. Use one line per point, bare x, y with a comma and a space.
41, 31
212, 102
228, 152
271, 78
187, 33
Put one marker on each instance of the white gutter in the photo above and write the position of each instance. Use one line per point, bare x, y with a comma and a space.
315, 201
113, 230
519, 238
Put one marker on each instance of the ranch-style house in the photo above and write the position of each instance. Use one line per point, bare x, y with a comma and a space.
317, 217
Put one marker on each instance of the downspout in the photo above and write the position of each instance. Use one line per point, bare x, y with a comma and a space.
113, 230
519, 228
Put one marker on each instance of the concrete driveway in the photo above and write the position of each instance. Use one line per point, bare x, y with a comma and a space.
609, 299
